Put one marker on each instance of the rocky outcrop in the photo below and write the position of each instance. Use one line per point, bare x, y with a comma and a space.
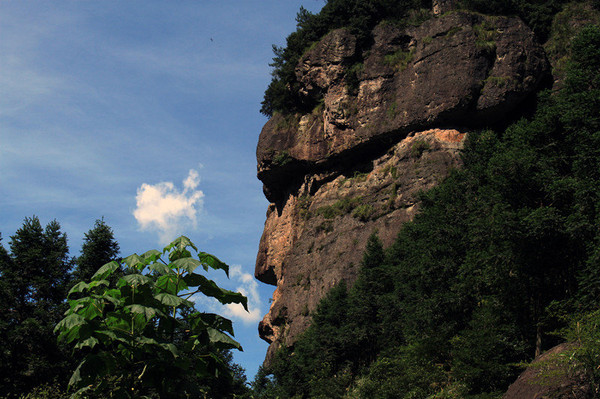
384, 129
551, 375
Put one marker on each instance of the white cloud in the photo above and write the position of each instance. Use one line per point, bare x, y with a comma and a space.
248, 286
166, 210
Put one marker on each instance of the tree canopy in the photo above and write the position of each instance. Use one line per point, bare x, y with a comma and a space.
500, 257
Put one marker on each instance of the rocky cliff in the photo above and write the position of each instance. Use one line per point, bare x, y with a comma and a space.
390, 122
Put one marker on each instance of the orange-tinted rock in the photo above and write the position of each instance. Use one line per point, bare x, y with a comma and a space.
317, 236
355, 164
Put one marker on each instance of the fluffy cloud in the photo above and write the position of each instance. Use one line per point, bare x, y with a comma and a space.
247, 285
165, 209
249, 288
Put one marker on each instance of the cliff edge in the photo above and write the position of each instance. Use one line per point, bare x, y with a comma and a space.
390, 122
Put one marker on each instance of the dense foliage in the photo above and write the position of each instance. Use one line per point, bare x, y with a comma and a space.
500, 253
35, 277
360, 17
99, 247
141, 334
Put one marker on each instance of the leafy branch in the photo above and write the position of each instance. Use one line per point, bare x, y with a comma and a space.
138, 333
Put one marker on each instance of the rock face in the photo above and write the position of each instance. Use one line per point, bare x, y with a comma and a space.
385, 129
550, 376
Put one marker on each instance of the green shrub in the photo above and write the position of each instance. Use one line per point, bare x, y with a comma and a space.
485, 37
363, 212
585, 333
282, 158
419, 147
353, 78
339, 208
141, 334
399, 59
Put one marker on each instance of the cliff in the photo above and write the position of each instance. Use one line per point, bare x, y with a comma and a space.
390, 122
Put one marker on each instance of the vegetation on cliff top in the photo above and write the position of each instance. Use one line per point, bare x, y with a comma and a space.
360, 17
503, 254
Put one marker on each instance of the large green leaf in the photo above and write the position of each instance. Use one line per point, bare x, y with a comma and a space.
213, 320
151, 256
136, 279
187, 264
89, 342
222, 340
113, 296
160, 268
147, 311
134, 261
105, 271
180, 244
147, 341
171, 348
171, 284
213, 262
76, 376
79, 287
97, 283
210, 288
69, 322
179, 254
92, 309
169, 299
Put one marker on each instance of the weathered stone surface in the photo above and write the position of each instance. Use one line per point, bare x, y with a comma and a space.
385, 130
550, 376
460, 69
317, 237
325, 64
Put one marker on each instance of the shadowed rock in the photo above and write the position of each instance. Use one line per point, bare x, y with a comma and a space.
385, 129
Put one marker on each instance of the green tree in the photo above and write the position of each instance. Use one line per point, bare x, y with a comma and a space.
34, 280
99, 247
359, 16
141, 335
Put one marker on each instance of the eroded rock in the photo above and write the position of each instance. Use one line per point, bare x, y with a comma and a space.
315, 239
385, 129
461, 69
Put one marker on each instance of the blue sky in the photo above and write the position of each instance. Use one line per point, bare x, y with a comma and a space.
145, 113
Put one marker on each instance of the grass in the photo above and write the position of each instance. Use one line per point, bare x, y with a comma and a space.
282, 158
304, 202
353, 75
485, 37
339, 208
363, 212
325, 227
393, 196
419, 147
399, 59
287, 121
392, 170
453, 31
498, 81
392, 111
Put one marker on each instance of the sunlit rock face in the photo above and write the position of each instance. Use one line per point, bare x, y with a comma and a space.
385, 129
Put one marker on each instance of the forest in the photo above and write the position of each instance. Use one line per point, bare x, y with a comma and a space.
501, 263
102, 326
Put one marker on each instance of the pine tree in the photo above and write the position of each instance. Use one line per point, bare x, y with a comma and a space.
99, 247
33, 280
